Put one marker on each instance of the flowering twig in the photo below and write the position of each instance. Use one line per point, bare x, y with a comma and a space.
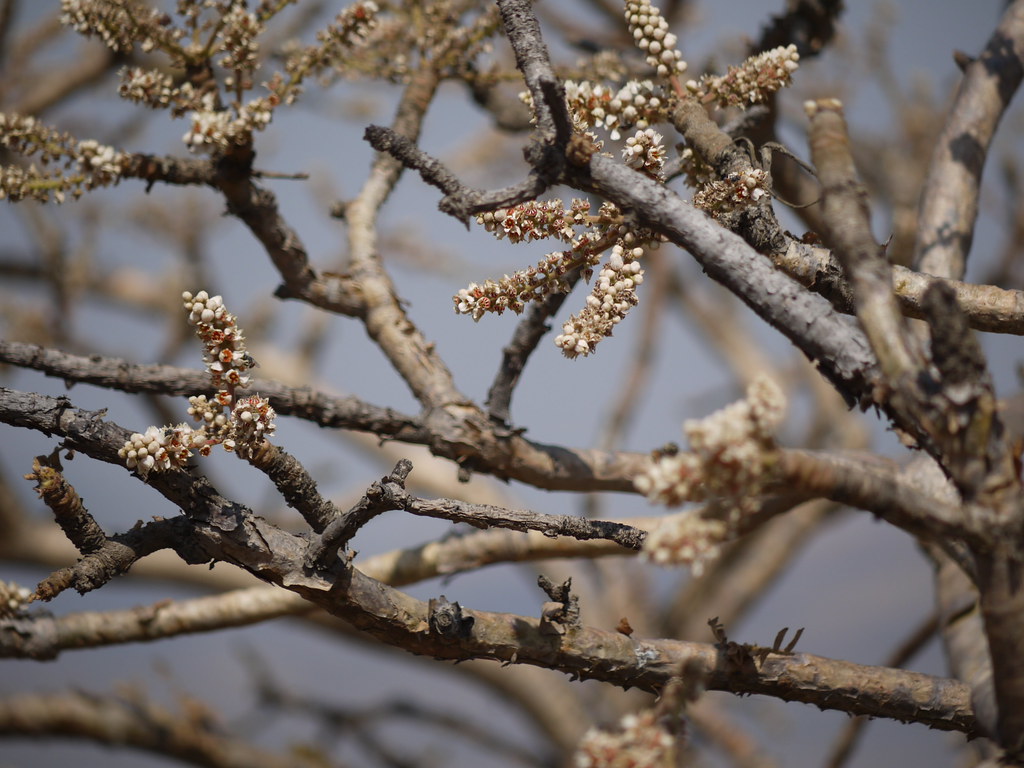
238, 424
81, 165
215, 526
730, 458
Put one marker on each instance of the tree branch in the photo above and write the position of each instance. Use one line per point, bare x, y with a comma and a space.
137, 722
222, 530
508, 455
986, 307
949, 199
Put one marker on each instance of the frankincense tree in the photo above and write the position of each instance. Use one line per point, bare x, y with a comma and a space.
639, 165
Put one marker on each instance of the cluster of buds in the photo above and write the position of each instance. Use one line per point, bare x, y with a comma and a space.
13, 599
730, 458
686, 538
214, 129
614, 292
752, 81
737, 190
349, 32
613, 296
640, 741
645, 152
537, 220
514, 291
122, 25
223, 343
161, 448
637, 104
238, 34
77, 166
157, 90
650, 33
730, 452
238, 424
232, 41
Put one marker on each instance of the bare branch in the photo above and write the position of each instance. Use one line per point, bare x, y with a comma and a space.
949, 200
136, 721
505, 455
848, 220
222, 530
986, 307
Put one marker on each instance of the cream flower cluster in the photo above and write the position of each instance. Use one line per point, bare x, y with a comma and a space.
252, 420
645, 152
13, 599
640, 741
686, 538
215, 129
650, 33
638, 103
238, 33
613, 296
752, 81
730, 451
730, 457
121, 25
68, 165
239, 425
161, 448
536, 220
737, 190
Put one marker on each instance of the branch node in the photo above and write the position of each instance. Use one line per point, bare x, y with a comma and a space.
447, 619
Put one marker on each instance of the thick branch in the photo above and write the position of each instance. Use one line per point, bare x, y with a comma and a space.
136, 722
986, 307
226, 531
875, 485
949, 199
847, 218
831, 341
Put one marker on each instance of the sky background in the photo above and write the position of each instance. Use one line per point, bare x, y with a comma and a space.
858, 588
